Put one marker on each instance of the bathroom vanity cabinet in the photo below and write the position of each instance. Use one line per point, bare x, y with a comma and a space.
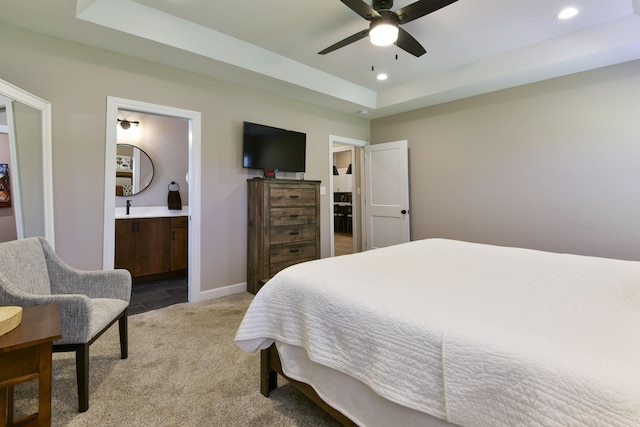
152, 248
179, 257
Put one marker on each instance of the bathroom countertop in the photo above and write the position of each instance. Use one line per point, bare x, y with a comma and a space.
149, 212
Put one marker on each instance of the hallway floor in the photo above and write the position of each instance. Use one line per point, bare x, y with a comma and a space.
343, 243
162, 293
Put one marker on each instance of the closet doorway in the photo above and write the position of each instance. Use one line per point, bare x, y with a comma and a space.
115, 107
345, 165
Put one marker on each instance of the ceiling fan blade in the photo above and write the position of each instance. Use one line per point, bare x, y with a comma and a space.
362, 9
342, 43
419, 9
408, 43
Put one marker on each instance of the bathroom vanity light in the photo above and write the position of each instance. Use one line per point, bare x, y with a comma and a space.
126, 124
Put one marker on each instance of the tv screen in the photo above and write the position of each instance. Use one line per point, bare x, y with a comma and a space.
266, 147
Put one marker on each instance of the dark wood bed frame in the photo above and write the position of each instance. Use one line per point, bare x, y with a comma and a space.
270, 367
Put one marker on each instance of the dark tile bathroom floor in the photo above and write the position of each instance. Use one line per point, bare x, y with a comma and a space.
162, 293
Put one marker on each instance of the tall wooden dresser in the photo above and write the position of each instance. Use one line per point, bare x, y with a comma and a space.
283, 226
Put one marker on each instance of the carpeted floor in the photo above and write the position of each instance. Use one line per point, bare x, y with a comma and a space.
183, 370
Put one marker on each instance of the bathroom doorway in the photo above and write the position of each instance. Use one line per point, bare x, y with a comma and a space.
121, 109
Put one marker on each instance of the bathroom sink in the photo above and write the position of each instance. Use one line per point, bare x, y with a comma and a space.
149, 212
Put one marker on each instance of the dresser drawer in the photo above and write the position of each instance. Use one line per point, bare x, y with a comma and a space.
291, 196
293, 233
293, 251
292, 216
274, 268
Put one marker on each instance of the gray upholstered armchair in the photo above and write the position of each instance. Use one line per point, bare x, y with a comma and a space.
90, 301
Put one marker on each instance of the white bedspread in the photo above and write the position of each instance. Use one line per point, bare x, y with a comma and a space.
474, 334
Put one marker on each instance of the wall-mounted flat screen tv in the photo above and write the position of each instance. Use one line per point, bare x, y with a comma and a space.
270, 148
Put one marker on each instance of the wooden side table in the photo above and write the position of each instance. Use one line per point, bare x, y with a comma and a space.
25, 354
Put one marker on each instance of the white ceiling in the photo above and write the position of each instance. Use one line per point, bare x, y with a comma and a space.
473, 46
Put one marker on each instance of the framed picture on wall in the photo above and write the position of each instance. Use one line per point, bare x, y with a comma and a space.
5, 189
123, 162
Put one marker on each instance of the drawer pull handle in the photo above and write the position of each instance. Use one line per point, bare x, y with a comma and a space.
294, 196
294, 216
294, 233
293, 251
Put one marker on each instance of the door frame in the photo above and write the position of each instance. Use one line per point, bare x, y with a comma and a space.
16, 195
14, 93
356, 144
195, 142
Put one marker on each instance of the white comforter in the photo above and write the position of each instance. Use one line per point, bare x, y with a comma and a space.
474, 334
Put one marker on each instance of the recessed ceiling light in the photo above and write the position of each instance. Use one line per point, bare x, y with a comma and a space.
567, 13
382, 76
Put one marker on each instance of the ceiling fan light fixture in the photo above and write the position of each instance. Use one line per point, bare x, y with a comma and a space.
383, 34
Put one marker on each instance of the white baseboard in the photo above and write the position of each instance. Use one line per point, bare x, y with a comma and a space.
223, 291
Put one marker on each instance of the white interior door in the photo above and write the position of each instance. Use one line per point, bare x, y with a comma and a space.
387, 194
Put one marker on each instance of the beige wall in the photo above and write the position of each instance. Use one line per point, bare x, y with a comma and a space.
77, 80
342, 159
552, 165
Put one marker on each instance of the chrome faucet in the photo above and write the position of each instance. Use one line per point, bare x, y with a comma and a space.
128, 206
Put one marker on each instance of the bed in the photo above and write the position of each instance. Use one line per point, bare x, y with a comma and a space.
439, 332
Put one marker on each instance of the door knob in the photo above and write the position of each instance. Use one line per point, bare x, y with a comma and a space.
403, 211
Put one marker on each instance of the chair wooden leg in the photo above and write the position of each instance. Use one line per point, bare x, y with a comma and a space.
82, 376
124, 336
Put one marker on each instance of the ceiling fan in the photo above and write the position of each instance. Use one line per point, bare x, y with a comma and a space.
385, 24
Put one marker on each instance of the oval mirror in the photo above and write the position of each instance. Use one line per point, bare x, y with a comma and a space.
134, 170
